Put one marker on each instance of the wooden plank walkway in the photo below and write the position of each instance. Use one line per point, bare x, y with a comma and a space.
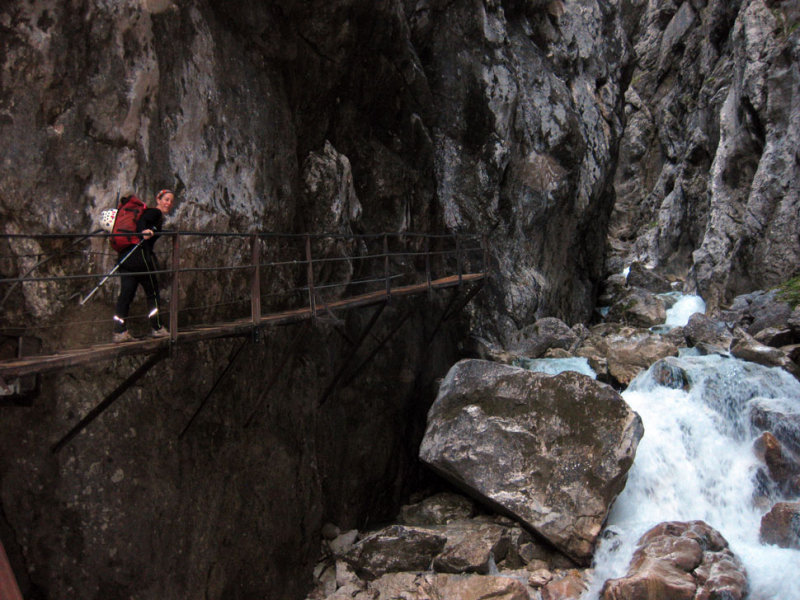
83, 356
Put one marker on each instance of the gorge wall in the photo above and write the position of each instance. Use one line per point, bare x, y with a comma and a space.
580, 135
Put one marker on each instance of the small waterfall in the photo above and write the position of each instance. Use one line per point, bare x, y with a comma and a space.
554, 366
678, 314
696, 461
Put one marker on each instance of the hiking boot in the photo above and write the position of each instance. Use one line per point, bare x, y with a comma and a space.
122, 336
159, 333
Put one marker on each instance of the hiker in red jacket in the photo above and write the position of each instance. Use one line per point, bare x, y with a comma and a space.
137, 269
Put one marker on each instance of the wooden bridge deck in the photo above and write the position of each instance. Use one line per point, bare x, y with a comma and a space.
82, 356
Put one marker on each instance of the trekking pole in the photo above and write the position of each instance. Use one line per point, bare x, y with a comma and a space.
110, 273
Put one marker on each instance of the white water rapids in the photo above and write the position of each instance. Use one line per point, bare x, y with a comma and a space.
696, 462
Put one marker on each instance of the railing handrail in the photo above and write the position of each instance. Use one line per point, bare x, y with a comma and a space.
400, 254
246, 235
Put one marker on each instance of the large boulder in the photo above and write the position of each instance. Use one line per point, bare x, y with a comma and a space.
680, 561
639, 308
757, 311
748, 348
395, 548
704, 331
534, 340
618, 353
647, 278
552, 451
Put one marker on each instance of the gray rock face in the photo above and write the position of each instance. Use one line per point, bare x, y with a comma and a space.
551, 451
524, 139
706, 178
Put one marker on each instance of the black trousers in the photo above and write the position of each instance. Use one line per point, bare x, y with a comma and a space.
135, 271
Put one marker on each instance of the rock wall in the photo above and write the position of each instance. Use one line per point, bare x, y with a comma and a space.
707, 183
505, 117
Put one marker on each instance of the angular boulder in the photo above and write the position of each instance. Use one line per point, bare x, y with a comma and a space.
413, 586
639, 308
618, 353
781, 525
471, 547
395, 548
438, 509
534, 340
571, 585
747, 348
551, 451
704, 330
680, 561
782, 466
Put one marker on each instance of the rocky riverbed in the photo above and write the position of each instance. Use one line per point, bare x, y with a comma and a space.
534, 463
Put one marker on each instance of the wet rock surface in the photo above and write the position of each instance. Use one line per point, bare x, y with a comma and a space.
551, 451
681, 560
781, 525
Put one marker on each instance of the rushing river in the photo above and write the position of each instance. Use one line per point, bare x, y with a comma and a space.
696, 461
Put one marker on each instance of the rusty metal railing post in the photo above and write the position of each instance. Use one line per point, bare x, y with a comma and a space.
174, 293
386, 266
485, 245
310, 274
428, 265
458, 260
255, 283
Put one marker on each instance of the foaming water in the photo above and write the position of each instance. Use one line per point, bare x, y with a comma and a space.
696, 461
678, 315
554, 366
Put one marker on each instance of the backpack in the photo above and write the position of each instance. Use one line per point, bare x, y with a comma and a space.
128, 213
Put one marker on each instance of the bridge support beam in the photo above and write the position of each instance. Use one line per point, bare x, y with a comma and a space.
276, 372
214, 387
340, 372
109, 400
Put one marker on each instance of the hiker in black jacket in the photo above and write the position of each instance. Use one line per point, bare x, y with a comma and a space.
137, 269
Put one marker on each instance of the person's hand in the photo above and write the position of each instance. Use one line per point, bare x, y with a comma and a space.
147, 233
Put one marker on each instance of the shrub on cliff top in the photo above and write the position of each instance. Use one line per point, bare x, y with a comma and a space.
789, 291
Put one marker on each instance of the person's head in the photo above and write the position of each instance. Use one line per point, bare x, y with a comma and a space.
164, 201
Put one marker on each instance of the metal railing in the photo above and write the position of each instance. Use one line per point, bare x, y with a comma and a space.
221, 277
